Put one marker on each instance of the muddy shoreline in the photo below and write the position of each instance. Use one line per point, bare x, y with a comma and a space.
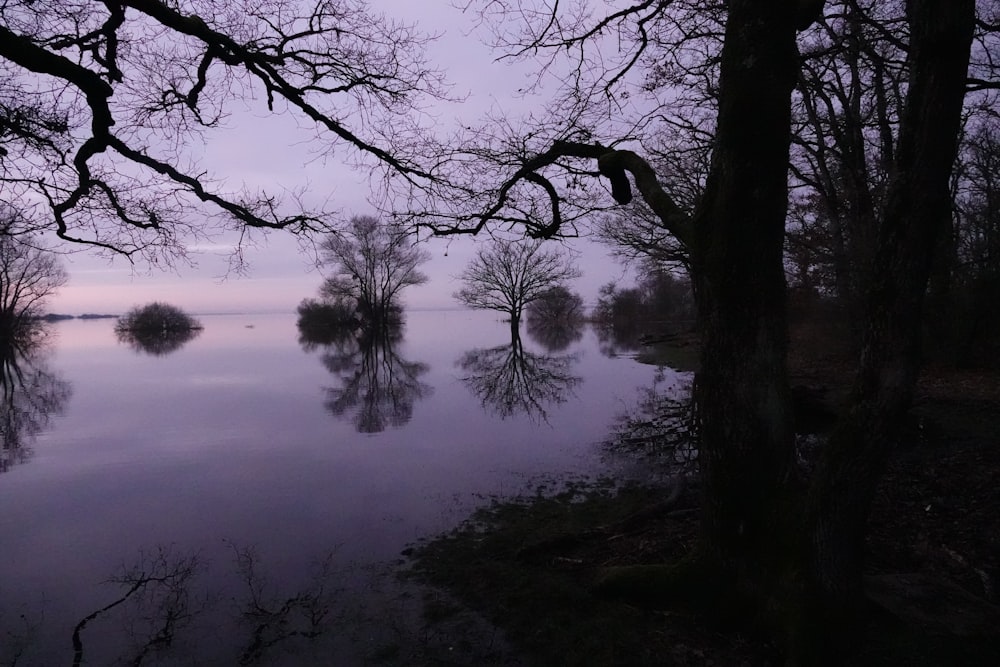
527, 565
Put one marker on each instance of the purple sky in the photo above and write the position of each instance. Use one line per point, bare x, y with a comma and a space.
272, 151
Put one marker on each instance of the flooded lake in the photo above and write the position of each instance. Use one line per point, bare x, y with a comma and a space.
228, 500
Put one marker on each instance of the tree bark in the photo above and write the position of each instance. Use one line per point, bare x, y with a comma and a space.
752, 527
741, 391
917, 210
775, 547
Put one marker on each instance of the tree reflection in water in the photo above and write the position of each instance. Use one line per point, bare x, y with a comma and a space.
166, 610
616, 339
555, 335
378, 388
157, 343
659, 430
31, 394
509, 379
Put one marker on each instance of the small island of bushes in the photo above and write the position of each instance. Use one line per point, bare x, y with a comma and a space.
157, 328
156, 317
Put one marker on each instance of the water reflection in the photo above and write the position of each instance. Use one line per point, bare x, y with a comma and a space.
378, 387
659, 428
31, 394
555, 335
162, 605
618, 338
509, 379
157, 343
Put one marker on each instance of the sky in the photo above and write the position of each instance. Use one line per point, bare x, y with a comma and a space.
265, 151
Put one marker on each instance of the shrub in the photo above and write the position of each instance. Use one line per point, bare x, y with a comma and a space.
154, 318
326, 322
556, 304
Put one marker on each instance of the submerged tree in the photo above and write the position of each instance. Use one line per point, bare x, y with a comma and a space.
508, 275
322, 322
29, 274
557, 304
373, 262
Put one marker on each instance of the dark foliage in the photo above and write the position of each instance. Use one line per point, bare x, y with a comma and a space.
156, 328
661, 303
556, 304
325, 322
156, 317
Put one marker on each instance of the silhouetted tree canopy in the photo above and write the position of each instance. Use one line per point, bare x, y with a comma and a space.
373, 262
323, 322
555, 319
660, 301
156, 317
783, 547
29, 274
104, 108
556, 304
508, 275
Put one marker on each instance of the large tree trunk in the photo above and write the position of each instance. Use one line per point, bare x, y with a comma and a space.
917, 210
742, 394
752, 528
791, 554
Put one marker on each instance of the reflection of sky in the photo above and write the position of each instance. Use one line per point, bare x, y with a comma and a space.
227, 438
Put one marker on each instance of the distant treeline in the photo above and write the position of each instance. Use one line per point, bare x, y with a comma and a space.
56, 317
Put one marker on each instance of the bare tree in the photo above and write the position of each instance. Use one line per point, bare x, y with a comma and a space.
373, 262
29, 274
101, 101
786, 550
508, 275
163, 604
972, 252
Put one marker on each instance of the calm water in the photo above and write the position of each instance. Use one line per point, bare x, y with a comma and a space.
246, 470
